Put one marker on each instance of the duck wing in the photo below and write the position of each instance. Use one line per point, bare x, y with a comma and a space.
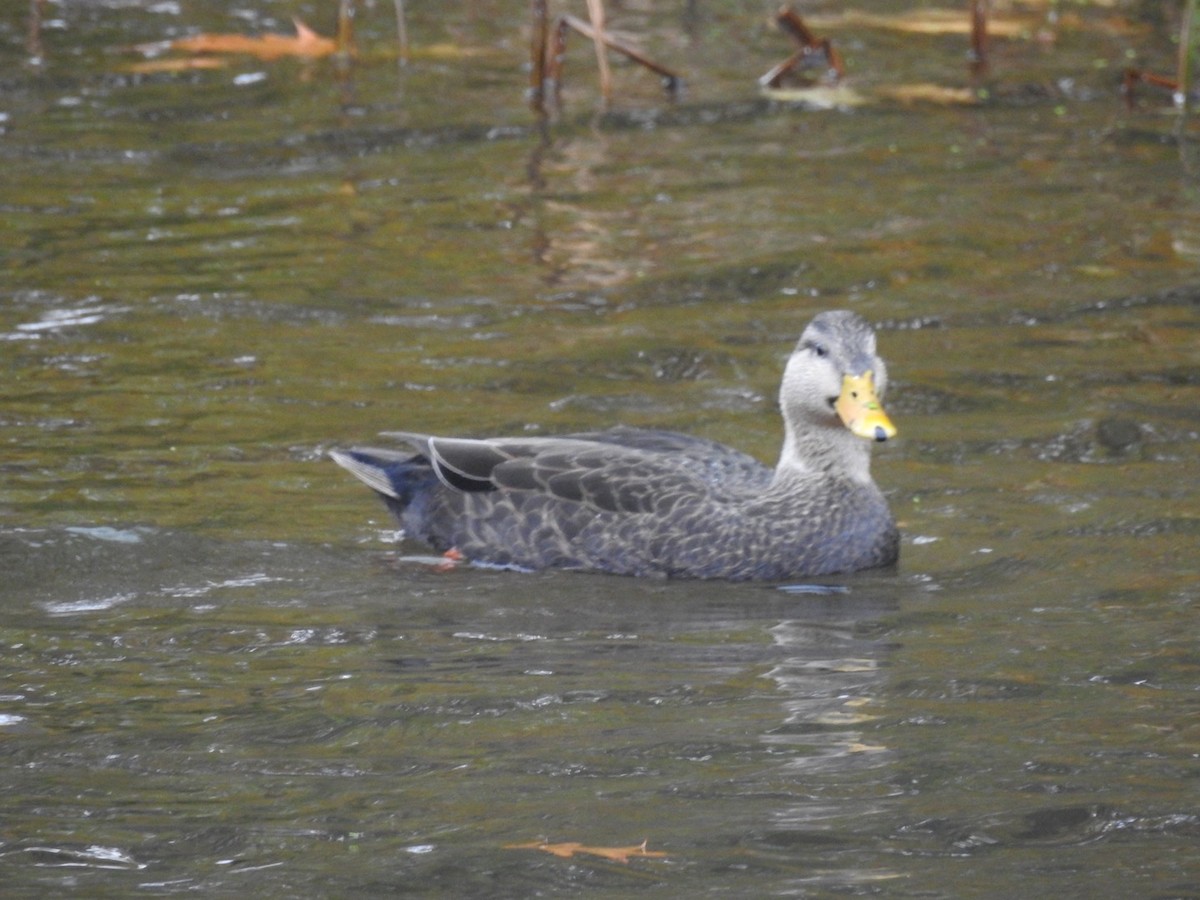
621, 470
725, 470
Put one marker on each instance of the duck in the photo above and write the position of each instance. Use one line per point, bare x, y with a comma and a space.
651, 503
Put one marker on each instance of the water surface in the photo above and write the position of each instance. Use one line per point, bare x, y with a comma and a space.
221, 676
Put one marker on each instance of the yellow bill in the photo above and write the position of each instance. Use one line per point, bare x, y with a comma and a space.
859, 408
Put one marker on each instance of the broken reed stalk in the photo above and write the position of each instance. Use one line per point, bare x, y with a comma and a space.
671, 79
402, 32
1183, 89
33, 34
345, 29
1184, 64
537, 56
1132, 77
556, 55
811, 49
979, 37
774, 77
596, 14
789, 20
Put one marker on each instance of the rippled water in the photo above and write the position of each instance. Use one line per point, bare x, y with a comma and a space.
221, 676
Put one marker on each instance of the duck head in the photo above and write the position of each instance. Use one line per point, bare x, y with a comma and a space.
831, 394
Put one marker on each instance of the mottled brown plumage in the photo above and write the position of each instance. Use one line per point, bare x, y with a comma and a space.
639, 502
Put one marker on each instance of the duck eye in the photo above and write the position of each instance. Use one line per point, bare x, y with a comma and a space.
819, 349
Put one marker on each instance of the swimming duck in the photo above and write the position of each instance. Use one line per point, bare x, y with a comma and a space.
644, 502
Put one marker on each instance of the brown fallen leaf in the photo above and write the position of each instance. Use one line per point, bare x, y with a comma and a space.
818, 96
447, 51
570, 848
930, 93
307, 43
174, 64
927, 21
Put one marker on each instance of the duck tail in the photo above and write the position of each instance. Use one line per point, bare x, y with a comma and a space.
399, 477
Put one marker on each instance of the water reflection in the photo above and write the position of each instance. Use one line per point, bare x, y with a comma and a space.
832, 696
833, 681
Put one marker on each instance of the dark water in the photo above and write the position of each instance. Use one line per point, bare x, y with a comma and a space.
219, 678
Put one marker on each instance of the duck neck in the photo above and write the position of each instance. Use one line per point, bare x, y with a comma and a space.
824, 452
